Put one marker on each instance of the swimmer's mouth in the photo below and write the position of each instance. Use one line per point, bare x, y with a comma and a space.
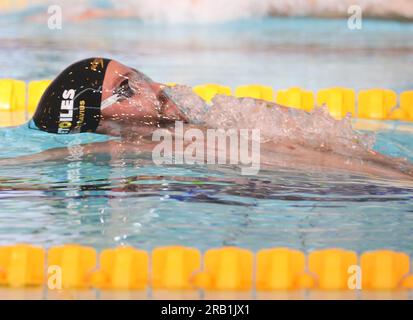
166, 122
167, 102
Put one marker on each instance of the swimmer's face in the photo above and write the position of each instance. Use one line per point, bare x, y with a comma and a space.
129, 95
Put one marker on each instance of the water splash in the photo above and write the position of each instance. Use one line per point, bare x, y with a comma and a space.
315, 129
188, 102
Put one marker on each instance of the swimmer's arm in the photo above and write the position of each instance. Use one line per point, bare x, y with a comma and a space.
289, 156
61, 154
373, 164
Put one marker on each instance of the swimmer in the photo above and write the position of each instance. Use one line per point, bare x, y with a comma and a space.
106, 97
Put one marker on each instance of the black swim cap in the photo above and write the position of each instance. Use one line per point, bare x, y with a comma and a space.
71, 103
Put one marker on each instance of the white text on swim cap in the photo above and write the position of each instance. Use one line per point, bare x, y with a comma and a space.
66, 111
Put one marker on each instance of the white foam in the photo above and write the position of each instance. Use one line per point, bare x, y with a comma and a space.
188, 102
316, 129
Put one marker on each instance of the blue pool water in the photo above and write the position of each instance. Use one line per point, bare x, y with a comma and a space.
105, 203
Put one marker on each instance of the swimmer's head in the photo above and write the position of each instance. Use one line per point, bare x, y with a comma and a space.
90, 92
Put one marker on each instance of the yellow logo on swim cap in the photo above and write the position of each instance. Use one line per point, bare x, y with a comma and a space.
65, 124
82, 109
95, 64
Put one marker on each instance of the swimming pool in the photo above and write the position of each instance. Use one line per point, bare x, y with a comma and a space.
106, 203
